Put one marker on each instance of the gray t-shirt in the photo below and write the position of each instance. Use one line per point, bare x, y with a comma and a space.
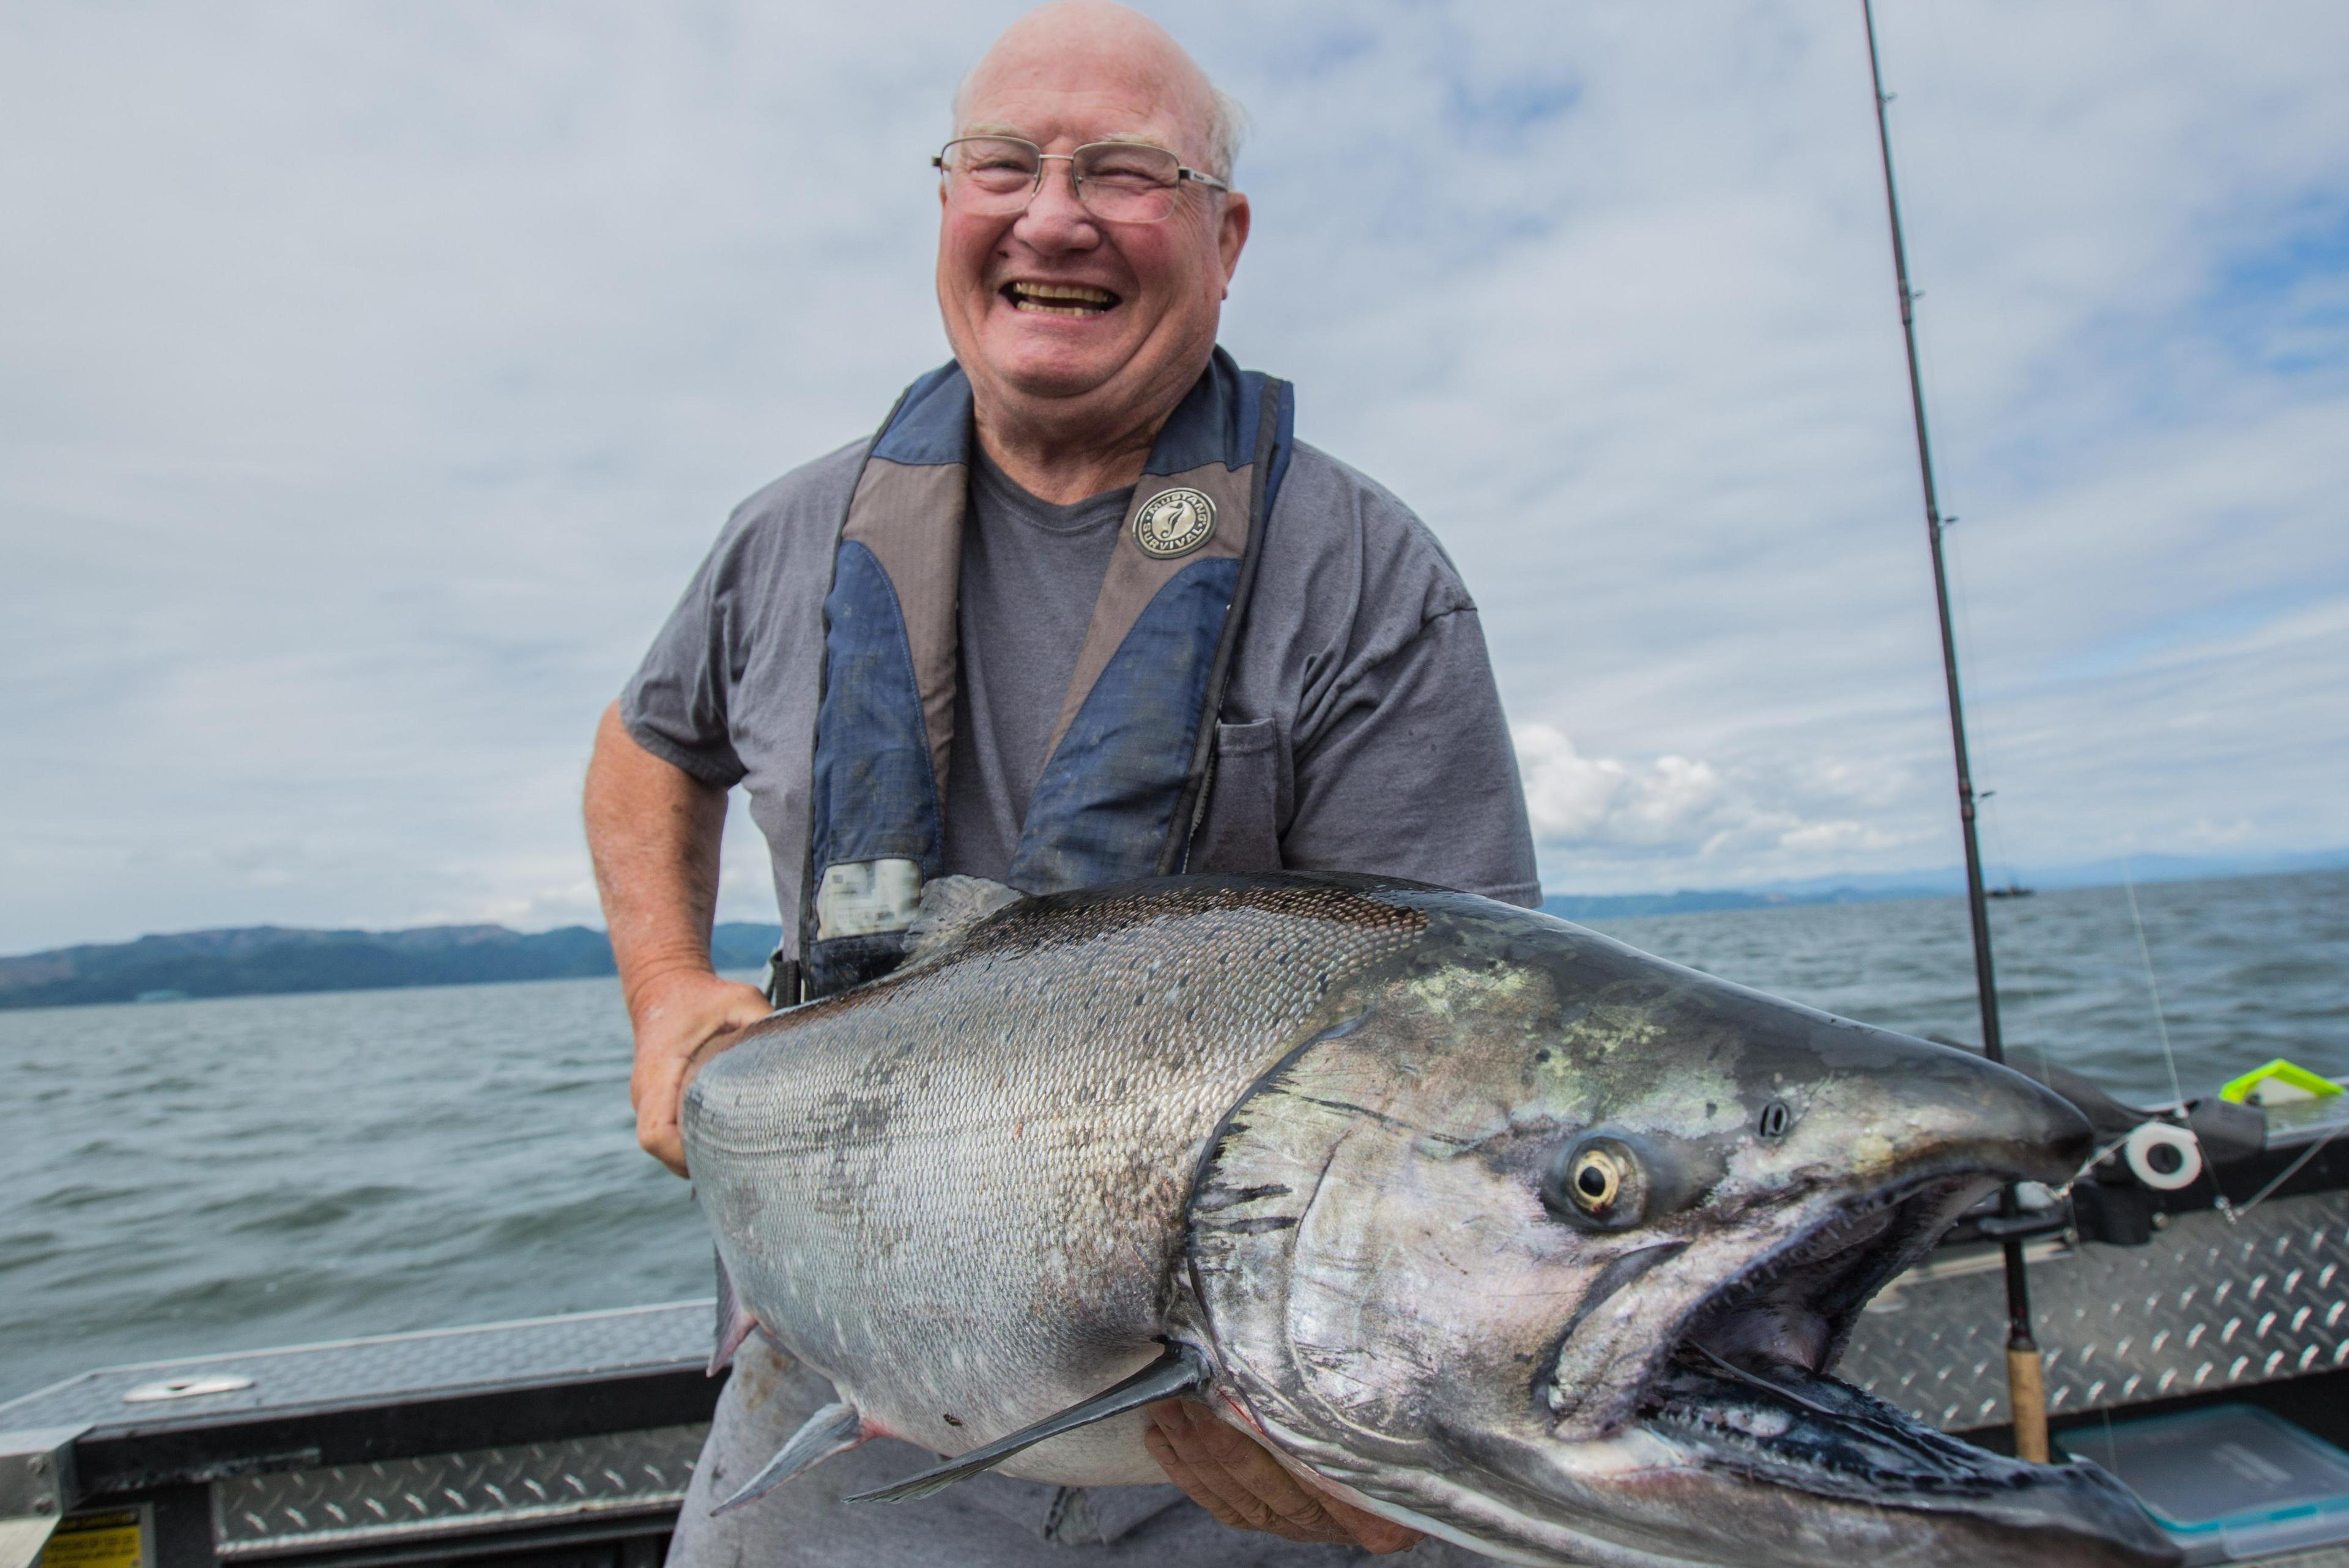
1030, 574
1360, 732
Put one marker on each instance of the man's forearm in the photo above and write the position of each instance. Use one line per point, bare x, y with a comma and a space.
654, 831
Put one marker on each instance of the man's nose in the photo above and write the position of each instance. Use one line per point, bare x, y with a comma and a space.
1055, 219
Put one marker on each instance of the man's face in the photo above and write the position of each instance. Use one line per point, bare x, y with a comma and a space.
1143, 321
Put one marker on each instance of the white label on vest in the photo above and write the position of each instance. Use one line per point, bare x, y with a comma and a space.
866, 896
1175, 523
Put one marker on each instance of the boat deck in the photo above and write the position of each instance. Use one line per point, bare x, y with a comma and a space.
574, 1434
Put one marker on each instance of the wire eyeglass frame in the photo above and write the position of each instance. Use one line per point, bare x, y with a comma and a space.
1005, 205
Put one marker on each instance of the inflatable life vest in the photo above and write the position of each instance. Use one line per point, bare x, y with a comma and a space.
1126, 776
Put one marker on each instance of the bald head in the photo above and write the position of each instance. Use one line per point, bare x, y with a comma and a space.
1080, 332
1101, 40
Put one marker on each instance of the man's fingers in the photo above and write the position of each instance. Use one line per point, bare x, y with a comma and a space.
1170, 1442
663, 1140
1204, 1483
1255, 1492
1183, 1476
678, 1029
1377, 1535
1239, 1482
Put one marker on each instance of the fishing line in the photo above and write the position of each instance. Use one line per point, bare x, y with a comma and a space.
1968, 177
2152, 986
2022, 971
1982, 816
2097, 1160
1742, 1375
2031, 1001
2234, 1213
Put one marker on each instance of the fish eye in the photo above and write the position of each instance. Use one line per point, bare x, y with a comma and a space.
1597, 1183
1597, 1178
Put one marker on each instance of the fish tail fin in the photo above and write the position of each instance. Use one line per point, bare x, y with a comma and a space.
735, 1321
834, 1429
1180, 1370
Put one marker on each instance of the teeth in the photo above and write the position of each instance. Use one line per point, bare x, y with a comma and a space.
1082, 299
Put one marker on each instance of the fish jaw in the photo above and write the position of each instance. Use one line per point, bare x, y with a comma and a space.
1399, 1301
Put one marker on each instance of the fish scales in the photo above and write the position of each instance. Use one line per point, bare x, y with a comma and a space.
1490, 1224
992, 1151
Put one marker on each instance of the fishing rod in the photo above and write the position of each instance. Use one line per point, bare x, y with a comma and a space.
2026, 1385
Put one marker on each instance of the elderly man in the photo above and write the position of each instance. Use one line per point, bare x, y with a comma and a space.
1083, 609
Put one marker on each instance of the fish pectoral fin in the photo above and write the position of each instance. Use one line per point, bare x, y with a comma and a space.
834, 1429
735, 1322
1179, 1371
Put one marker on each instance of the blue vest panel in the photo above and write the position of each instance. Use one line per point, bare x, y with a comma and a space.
1126, 768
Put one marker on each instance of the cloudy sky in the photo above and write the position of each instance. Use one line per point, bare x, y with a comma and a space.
373, 374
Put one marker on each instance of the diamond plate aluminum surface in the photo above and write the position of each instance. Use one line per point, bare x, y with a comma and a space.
384, 1369
2209, 1304
442, 1494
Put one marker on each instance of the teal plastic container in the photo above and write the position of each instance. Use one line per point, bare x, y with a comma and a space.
2229, 1482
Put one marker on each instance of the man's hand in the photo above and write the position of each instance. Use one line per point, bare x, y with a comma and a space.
681, 1020
1228, 1473
654, 831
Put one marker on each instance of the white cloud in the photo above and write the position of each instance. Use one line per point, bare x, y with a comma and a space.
1609, 824
1843, 838
1574, 799
381, 371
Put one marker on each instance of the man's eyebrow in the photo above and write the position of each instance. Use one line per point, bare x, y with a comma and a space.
1001, 128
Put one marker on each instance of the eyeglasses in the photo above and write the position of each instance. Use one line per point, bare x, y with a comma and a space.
1118, 182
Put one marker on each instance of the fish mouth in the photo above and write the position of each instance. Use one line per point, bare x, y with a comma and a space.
1788, 1314
1744, 1391
1744, 1383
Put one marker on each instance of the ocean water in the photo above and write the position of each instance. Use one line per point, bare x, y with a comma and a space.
2244, 969
185, 1178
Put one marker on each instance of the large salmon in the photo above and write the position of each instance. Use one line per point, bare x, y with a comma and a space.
1494, 1226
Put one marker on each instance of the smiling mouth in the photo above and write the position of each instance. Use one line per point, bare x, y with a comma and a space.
1059, 298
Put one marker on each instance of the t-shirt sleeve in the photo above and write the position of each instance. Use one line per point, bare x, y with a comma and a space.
678, 705
1410, 773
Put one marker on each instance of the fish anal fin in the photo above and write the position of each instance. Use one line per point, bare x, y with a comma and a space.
1179, 1371
735, 1322
834, 1429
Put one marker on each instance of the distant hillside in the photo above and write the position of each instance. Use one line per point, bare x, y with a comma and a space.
1941, 882
274, 959
1629, 905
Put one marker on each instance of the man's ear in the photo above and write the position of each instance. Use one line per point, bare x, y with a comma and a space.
1231, 235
